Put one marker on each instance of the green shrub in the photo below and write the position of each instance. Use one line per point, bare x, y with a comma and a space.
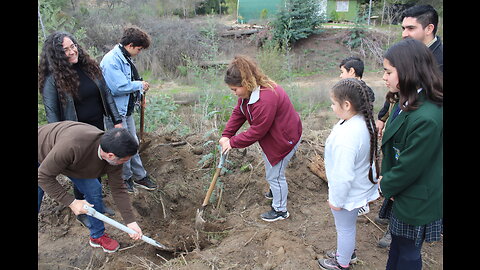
298, 20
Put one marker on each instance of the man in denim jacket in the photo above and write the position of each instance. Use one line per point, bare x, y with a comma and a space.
127, 87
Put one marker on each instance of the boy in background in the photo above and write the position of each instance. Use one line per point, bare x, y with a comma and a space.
352, 67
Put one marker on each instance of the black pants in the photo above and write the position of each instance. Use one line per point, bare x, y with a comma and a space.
404, 255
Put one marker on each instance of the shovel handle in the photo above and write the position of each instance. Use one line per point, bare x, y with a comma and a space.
214, 180
142, 116
212, 186
92, 212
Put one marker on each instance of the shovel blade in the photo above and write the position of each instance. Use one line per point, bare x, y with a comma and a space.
199, 221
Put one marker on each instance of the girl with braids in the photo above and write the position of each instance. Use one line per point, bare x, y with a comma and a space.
274, 123
351, 166
412, 166
72, 88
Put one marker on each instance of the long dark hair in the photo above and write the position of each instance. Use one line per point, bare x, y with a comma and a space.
416, 68
356, 92
53, 60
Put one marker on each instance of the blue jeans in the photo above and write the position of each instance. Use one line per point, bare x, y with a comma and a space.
92, 189
404, 255
134, 166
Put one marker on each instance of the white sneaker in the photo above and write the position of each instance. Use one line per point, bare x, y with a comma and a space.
364, 210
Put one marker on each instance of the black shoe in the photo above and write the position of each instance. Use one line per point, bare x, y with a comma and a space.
109, 211
268, 195
330, 264
145, 183
383, 221
83, 219
385, 241
129, 184
273, 215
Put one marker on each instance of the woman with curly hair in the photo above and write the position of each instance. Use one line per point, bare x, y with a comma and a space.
73, 88
72, 84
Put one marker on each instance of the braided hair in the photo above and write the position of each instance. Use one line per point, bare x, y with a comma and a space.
356, 92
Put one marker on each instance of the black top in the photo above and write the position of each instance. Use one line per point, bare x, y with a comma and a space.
88, 105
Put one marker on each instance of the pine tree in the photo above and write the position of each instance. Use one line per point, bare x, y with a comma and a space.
298, 20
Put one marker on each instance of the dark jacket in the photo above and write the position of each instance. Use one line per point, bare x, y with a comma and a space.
412, 164
57, 111
437, 50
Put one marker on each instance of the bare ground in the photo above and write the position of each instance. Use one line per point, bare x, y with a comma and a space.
234, 237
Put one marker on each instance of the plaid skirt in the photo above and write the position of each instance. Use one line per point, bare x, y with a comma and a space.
429, 232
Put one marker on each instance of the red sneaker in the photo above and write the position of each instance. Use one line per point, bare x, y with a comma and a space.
108, 244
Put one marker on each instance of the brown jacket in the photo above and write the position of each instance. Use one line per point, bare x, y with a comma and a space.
71, 148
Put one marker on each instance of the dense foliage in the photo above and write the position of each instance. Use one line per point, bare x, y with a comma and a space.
298, 20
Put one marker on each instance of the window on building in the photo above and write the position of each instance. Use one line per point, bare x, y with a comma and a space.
342, 6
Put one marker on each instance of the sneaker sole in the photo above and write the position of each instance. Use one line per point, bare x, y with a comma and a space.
142, 186
277, 218
106, 250
352, 261
323, 267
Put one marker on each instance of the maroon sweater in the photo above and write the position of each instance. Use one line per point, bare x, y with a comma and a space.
274, 123
71, 148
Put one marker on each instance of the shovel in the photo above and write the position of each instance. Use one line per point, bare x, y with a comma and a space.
92, 212
142, 117
199, 221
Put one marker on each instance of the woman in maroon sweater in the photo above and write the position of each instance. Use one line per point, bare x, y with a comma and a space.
274, 123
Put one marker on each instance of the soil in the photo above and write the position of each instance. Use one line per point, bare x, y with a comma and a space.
233, 236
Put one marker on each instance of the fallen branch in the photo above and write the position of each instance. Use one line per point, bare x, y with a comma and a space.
250, 240
163, 208
374, 224
238, 33
172, 144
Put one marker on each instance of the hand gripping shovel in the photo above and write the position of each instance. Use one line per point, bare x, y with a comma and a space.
199, 221
92, 212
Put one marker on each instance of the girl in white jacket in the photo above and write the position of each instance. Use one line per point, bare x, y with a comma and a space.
350, 153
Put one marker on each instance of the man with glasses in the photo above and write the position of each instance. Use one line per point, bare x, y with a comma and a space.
83, 152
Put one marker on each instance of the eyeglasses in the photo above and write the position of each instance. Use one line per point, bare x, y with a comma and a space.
71, 47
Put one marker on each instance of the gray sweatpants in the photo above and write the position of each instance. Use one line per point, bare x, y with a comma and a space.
275, 176
346, 225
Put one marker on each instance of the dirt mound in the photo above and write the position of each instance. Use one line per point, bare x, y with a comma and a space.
234, 237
